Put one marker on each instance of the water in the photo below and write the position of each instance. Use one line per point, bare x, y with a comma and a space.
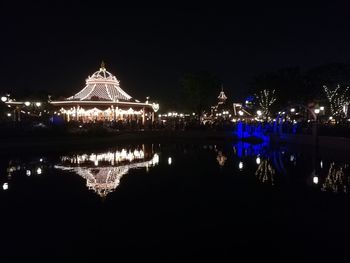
174, 202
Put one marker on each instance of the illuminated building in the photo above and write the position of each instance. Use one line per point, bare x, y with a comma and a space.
102, 99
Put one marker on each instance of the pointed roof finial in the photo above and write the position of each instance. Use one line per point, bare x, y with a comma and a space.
103, 65
222, 97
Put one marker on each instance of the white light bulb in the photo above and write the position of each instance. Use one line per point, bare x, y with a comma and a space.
5, 186
258, 160
170, 160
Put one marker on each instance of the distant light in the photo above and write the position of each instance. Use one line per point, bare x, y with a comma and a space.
170, 160
3, 99
240, 165
292, 158
193, 113
315, 179
41, 159
169, 114
246, 102
292, 110
9, 114
259, 112
240, 113
321, 164
28, 173
96, 162
39, 171
322, 108
331, 118
5, 186
317, 111
27, 103
257, 160
38, 104
160, 115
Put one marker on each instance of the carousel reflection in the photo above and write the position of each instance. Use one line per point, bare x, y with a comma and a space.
103, 171
221, 158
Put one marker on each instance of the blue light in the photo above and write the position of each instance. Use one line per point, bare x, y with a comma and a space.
246, 130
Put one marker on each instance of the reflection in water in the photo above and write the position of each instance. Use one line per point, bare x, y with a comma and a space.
221, 158
5, 186
270, 165
336, 181
240, 165
103, 171
17, 166
265, 172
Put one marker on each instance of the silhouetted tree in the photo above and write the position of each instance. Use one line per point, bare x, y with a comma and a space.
199, 90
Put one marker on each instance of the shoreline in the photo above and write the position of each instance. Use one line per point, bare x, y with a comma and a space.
71, 142
66, 142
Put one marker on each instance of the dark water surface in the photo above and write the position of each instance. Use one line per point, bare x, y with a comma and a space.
174, 202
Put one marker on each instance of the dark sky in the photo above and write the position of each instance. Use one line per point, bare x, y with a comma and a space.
54, 46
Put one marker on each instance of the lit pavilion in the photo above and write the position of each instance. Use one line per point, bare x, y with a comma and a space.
102, 99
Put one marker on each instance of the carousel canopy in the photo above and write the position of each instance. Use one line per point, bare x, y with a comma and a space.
102, 85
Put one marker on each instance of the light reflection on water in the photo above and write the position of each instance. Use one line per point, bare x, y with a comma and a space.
102, 171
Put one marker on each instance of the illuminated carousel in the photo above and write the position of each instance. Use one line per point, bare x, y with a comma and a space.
102, 99
104, 171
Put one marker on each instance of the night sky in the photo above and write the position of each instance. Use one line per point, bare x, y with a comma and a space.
55, 46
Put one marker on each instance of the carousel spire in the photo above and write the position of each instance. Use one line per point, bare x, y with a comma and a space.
222, 97
103, 67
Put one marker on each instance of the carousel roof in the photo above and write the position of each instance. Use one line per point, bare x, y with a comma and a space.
102, 85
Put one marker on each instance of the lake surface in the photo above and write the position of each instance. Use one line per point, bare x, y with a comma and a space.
174, 202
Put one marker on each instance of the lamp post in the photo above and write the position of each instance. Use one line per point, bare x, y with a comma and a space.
315, 128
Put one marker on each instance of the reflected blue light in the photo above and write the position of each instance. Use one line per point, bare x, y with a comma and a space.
247, 149
246, 130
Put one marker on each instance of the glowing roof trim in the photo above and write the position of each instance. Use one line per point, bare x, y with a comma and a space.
101, 85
